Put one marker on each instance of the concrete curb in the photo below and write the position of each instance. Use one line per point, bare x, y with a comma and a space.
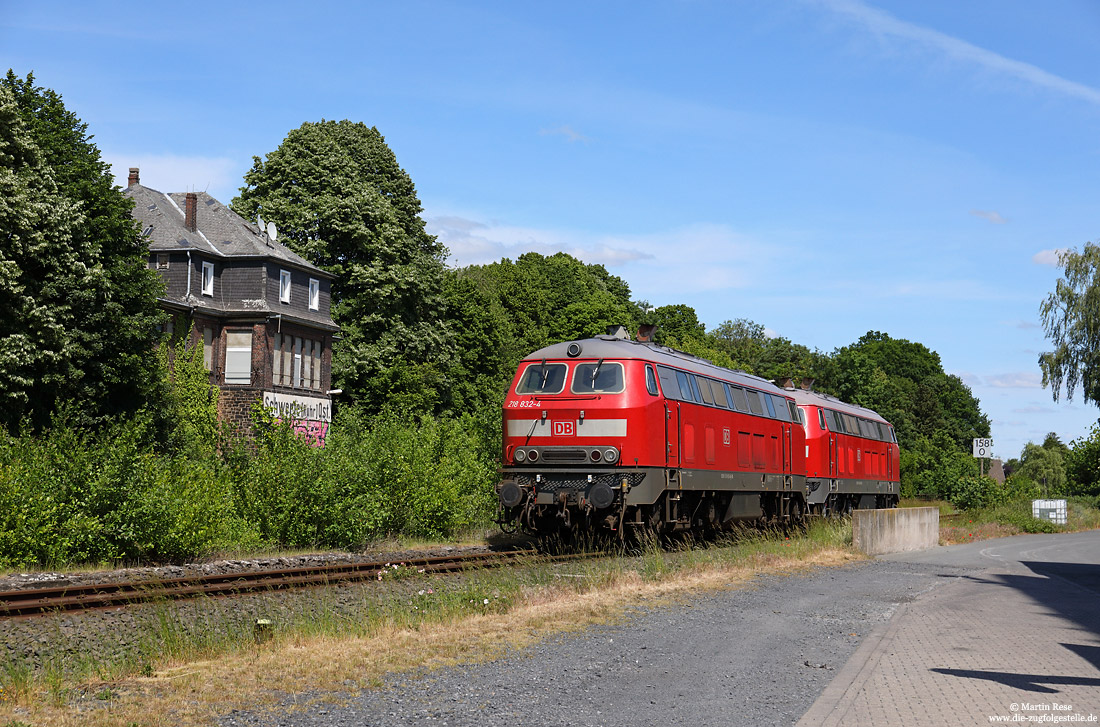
835, 701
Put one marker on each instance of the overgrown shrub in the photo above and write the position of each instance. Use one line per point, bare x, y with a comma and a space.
976, 491
70, 496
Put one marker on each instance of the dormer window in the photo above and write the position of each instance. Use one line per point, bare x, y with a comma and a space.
284, 286
314, 294
208, 278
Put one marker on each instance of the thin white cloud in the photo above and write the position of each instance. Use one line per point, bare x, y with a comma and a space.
989, 215
568, 132
219, 176
885, 24
653, 263
1015, 380
1033, 409
971, 380
1048, 257
1026, 325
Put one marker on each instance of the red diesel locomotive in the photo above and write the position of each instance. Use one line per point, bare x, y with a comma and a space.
612, 434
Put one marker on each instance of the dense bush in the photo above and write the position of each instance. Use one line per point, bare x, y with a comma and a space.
976, 491
70, 496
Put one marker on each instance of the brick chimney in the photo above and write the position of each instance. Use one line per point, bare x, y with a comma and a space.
133, 177
191, 210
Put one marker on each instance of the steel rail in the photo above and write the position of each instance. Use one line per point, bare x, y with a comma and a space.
55, 599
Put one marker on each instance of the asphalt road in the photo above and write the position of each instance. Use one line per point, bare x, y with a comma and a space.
756, 655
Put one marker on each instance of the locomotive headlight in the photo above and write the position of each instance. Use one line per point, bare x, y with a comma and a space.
611, 455
520, 455
595, 455
533, 455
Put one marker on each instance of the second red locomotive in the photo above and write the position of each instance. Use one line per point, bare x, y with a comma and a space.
613, 434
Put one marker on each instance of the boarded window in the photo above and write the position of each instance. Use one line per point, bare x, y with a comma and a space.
315, 381
238, 357
208, 348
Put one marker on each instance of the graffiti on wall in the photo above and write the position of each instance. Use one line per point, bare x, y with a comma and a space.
308, 415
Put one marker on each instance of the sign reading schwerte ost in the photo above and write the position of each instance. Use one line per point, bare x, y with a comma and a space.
299, 408
983, 448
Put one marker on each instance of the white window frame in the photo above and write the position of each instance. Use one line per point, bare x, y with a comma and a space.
314, 294
207, 278
284, 286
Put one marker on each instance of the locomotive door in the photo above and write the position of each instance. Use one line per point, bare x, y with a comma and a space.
832, 454
672, 435
787, 448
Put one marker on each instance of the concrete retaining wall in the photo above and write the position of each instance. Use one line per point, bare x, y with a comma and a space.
896, 530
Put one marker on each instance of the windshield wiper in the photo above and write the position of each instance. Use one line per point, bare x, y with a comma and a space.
545, 374
595, 372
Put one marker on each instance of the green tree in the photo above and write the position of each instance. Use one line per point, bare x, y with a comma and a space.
80, 304
1083, 464
341, 200
1071, 319
1044, 467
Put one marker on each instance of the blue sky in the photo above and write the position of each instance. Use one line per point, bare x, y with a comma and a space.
822, 167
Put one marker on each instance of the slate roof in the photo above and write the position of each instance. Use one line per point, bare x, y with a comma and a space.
221, 231
240, 246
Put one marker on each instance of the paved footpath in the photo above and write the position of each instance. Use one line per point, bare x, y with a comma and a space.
1016, 643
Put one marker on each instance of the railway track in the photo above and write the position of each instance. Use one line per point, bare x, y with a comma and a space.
54, 599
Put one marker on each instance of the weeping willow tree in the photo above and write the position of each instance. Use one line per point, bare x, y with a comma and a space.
1071, 319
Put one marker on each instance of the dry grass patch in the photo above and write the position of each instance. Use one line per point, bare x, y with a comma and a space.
333, 665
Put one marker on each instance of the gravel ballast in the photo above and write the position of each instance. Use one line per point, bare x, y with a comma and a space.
752, 655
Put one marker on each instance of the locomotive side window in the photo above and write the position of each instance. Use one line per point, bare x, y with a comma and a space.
669, 384
796, 413
782, 412
851, 426
771, 407
695, 389
704, 389
685, 387
542, 379
754, 402
729, 396
598, 378
821, 419
739, 398
650, 381
718, 390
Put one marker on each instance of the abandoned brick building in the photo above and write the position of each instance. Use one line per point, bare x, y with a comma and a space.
261, 312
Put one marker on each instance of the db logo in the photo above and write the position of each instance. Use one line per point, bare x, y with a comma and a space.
564, 429
726, 437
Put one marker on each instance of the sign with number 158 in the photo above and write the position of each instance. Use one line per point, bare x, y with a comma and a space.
983, 448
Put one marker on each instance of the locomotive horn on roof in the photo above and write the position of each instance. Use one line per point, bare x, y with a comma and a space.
645, 333
807, 384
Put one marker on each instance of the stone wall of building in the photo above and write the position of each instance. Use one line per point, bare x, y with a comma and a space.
235, 407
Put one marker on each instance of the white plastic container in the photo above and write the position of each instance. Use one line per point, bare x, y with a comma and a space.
1053, 510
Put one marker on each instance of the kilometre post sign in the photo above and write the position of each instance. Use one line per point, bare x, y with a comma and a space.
983, 448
